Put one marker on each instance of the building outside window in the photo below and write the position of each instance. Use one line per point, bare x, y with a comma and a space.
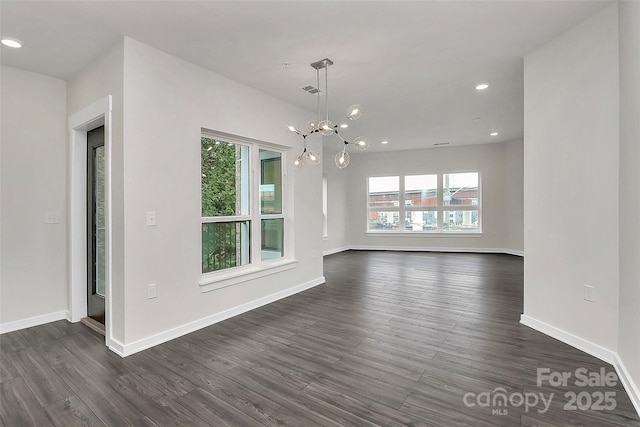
444, 202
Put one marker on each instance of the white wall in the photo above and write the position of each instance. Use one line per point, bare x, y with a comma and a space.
338, 185
629, 333
103, 77
167, 102
571, 181
489, 159
514, 196
33, 273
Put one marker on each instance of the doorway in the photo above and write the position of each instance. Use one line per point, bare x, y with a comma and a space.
96, 277
94, 116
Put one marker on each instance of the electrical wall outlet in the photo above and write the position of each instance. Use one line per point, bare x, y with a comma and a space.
52, 217
151, 218
152, 291
589, 293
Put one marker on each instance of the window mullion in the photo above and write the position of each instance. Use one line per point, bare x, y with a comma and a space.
440, 210
401, 203
255, 206
212, 219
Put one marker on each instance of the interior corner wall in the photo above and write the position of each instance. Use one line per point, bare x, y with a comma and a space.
167, 102
33, 273
488, 159
571, 129
629, 316
338, 214
103, 77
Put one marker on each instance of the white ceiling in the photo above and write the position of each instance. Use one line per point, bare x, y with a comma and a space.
413, 66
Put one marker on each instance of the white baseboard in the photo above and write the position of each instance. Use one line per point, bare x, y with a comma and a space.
629, 385
335, 250
30, 322
434, 249
145, 343
117, 347
594, 350
513, 252
588, 347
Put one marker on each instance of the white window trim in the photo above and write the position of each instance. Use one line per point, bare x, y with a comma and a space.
423, 233
257, 268
439, 209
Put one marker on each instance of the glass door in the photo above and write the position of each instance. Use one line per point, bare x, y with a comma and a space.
95, 225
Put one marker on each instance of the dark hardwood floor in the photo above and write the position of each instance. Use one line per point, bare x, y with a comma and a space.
392, 338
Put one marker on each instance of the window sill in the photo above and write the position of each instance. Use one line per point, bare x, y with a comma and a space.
423, 234
212, 281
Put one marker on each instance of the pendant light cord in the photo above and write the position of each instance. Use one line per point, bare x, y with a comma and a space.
326, 89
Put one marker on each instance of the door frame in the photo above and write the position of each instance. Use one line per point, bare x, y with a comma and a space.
91, 117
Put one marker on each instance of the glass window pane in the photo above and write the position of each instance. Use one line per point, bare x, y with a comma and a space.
225, 178
421, 190
384, 191
460, 188
272, 238
98, 192
383, 220
270, 182
225, 245
460, 221
420, 220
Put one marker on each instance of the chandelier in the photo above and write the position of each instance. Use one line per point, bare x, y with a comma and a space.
326, 127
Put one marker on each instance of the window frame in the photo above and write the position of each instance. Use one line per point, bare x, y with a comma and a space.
439, 208
257, 267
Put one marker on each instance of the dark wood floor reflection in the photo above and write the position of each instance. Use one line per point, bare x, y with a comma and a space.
392, 338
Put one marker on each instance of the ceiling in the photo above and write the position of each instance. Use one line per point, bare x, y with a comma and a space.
413, 66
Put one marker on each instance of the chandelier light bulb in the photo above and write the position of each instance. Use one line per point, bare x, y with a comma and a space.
12, 43
342, 159
292, 129
312, 158
354, 112
361, 143
312, 125
326, 127
298, 162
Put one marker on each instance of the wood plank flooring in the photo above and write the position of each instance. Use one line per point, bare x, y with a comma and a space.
392, 338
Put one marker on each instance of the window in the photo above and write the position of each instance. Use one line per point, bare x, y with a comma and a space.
243, 215
271, 216
445, 202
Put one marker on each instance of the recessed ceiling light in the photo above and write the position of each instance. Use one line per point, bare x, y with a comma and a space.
493, 134
384, 142
11, 43
482, 86
344, 126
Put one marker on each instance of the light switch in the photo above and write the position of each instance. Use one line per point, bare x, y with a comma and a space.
152, 291
151, 218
